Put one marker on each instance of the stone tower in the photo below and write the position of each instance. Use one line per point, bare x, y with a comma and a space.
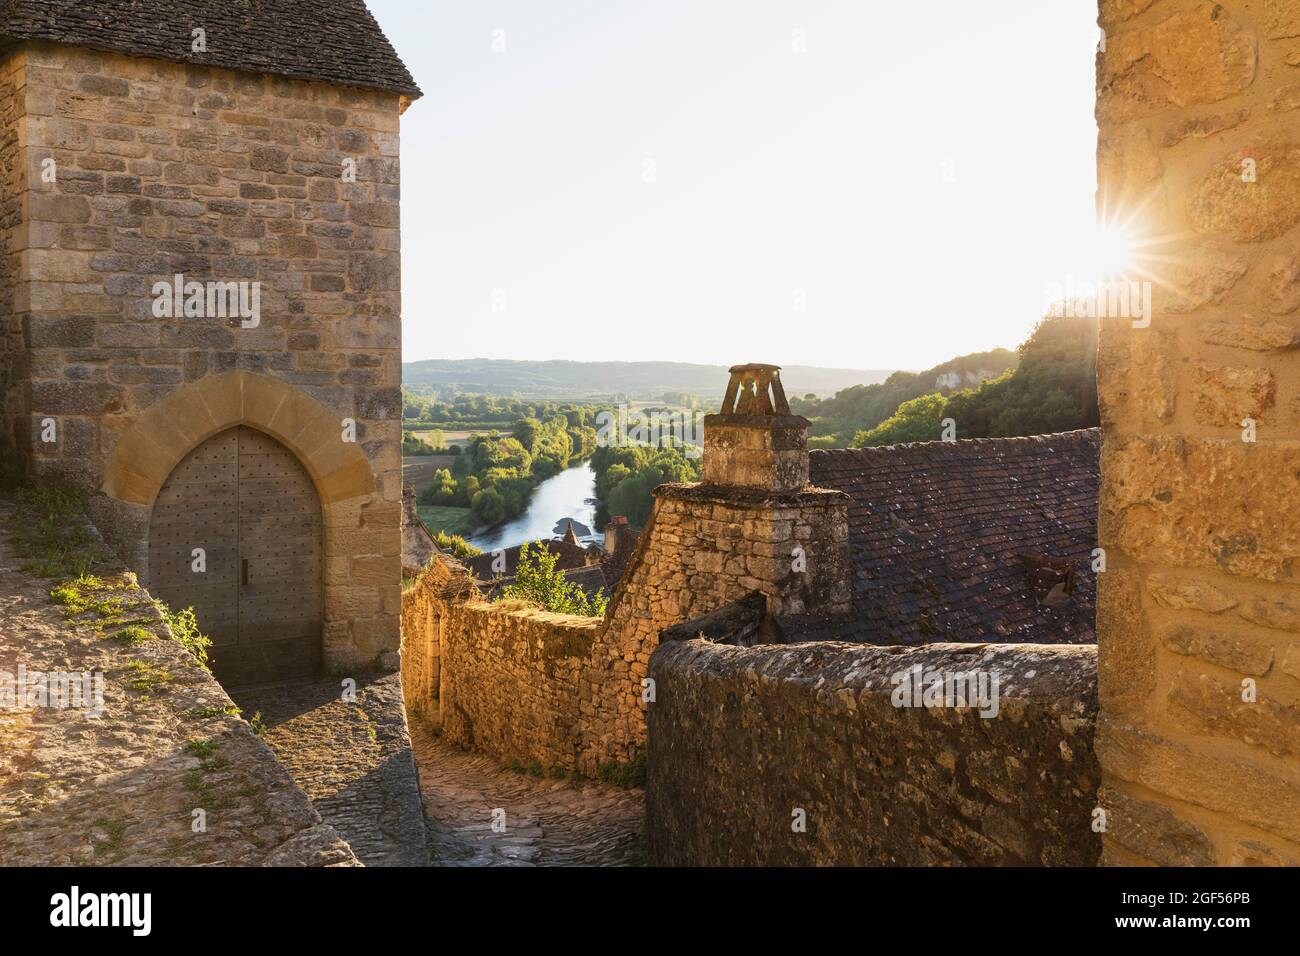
200, 295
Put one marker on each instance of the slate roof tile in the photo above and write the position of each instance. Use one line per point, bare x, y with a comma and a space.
330, 41
940, 533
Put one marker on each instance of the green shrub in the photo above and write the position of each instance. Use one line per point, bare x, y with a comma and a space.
626, 775
539, 582
185, 629
455, 545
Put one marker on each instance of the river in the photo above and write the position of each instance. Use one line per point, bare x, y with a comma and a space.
570, 494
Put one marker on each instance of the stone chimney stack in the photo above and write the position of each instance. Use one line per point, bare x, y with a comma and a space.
754, 523
754, 442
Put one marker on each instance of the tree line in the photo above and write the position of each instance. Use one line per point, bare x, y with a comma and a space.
1052, 388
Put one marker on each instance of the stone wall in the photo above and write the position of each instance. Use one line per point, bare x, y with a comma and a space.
164, 168
421, 646
512, 683
745, 744
1198, 610
754, 527
502, 678
129, 780
568, 691
14, 391
704, 547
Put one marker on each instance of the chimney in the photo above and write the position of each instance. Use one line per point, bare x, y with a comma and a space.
755, 442
754, 523
613, 534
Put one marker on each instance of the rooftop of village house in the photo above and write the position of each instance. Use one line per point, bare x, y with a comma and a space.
329, 41
985, 539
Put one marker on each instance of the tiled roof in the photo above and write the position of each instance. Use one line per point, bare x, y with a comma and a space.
966, 541
332, 41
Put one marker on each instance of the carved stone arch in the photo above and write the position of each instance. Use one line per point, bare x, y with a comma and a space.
148, 451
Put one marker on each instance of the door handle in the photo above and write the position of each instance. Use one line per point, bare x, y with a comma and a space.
243, 571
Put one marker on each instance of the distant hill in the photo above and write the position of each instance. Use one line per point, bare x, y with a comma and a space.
650, 380
862, 407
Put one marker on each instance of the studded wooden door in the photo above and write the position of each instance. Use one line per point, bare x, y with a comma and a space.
256, 589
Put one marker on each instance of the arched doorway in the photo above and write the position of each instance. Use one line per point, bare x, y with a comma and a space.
256, 589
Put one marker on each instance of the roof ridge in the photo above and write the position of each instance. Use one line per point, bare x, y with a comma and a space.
338, 42
1077, 435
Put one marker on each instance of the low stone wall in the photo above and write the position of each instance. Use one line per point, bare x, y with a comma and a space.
421, 656
513, 682
501, 678
122, 788
741, 740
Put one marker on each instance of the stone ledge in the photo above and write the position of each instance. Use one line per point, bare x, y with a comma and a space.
750, 498
127, 781
813, 729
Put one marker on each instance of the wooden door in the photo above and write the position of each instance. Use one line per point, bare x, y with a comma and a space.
250, 505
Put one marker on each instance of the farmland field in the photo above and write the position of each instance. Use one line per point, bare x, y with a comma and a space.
452, 436
417, 470
441, 518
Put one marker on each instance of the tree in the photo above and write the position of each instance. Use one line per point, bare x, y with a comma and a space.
440, 491
1053, 388
455, 545
489, 506
539, 582
921, 419
412, 444
528, 432
863, 407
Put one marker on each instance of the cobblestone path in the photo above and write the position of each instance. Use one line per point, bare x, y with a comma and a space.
547, 822
352, 758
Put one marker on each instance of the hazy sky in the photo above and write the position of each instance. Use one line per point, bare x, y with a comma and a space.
913, 180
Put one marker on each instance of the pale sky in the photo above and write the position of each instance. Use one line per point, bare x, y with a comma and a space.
780, 178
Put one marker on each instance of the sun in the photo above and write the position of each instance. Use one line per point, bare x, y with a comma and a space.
1112, 251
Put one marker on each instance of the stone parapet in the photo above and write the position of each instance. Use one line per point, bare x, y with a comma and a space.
800, 755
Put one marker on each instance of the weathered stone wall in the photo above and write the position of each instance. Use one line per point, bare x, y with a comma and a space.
567, 691
511, 682
165, 168
1198, 610
704, 547
742, 739
122, 788
421, 650
508, 680
14, 390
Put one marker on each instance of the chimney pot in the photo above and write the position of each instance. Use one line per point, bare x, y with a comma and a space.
755, 441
